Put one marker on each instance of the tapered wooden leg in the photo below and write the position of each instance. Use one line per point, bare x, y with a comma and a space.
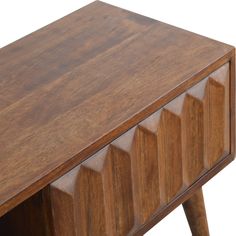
196, 214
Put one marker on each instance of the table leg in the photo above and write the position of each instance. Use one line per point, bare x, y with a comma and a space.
196, 214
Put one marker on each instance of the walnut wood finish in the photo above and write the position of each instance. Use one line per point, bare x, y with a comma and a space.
196, 214
124, 185
121, 187
27, 227
108, 121
74, 86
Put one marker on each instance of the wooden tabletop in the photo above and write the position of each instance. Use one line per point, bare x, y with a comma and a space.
75, 85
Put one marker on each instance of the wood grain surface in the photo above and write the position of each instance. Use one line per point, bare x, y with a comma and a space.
72, 87
196, 214
123, 186
132, 179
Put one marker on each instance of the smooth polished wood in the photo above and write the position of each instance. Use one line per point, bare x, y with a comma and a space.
184, 196
8, 222
135, 178
196, 214
117, 117
130, 180
74, 86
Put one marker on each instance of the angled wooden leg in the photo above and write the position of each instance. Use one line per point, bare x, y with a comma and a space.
196, 214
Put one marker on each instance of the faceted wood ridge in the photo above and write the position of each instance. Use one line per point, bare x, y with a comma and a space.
119, 188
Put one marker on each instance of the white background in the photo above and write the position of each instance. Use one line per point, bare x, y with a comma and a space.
212, 18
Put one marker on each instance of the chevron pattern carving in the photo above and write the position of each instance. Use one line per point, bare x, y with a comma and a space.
119, 188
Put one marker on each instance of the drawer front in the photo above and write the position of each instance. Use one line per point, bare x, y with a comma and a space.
119, 188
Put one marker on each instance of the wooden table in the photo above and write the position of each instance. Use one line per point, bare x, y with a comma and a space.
108, 121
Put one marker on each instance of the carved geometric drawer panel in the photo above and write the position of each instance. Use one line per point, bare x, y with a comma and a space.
127, 182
